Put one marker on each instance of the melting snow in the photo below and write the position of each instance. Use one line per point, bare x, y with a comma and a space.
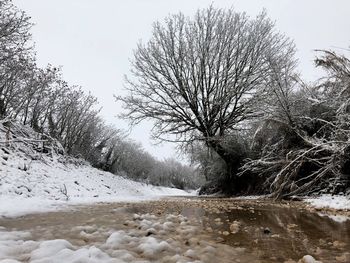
132, 245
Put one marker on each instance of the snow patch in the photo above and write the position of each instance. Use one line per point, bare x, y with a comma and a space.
330, 201
336, 218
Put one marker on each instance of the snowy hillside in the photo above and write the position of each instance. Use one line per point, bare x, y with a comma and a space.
33, 181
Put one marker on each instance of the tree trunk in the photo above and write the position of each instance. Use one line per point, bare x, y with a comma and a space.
230, 184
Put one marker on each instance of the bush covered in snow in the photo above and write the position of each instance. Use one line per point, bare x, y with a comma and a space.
299, 145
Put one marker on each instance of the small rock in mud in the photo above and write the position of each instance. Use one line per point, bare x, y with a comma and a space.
267, 231
343, 258
234, 227
193, 241
322, 242
190, 254
338, 244
220, 239
318, 251
209, 229
150, 231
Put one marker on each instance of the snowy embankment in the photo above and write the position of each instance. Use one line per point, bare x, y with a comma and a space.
49, 183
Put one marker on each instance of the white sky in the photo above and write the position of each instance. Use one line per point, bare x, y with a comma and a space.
94, 39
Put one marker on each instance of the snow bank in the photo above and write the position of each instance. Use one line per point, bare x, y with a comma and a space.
336, 202
28, 186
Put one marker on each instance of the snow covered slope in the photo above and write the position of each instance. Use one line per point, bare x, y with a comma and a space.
32, 182
48, 185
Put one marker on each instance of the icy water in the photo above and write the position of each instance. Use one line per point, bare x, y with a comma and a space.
187, 230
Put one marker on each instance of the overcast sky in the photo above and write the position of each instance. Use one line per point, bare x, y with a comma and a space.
94, 39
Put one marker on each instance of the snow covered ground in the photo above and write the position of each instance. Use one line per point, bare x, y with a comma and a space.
330, 201
28, 186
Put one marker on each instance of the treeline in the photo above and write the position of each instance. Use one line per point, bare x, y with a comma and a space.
128, 158
40, 98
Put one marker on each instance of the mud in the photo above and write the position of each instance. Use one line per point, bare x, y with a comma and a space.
230, 229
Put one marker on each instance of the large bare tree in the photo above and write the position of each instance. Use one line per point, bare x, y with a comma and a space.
200, 78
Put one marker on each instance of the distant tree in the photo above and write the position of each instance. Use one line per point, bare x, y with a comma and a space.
201, 78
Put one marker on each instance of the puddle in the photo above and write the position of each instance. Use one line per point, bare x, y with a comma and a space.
201, 229
276, 234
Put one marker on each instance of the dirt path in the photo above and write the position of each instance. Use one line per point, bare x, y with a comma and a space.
188, 230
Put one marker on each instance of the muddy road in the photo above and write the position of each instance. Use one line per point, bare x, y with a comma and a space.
179, 230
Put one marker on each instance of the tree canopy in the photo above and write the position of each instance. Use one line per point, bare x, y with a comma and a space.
200, 78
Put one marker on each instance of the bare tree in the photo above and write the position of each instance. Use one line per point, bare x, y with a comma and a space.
14, 31
201, 78
14, 47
